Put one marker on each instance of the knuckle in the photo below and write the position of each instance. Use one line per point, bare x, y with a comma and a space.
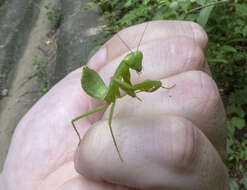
195, 58
184, 146
199, 34
208, 88
187, 57
205, 99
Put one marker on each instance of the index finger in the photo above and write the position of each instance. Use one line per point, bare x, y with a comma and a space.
163, 30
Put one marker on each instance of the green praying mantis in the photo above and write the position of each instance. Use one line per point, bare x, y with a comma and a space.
95, 87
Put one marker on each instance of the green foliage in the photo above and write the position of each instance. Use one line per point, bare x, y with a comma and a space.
120, 14
54, 15
243, 181
41, 73
234, 185
204, 15
226, 25
40, 65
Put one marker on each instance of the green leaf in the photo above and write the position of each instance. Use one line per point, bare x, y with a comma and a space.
174, 5
163, 3
241, 9
233, 185
145, 2
204, 15
238, 122
237, 40
228, 48
201, 2
90, 5
93, 84
230, 129
229, 143
232, 109
244, 31
244, 180
128, 3
217, 60
238, 97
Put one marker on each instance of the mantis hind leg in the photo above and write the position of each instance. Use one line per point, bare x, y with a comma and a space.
85, 115
110, 127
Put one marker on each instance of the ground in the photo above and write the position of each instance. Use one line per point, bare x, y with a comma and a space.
34, 55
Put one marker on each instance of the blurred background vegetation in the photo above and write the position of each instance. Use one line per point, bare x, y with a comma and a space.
225, 22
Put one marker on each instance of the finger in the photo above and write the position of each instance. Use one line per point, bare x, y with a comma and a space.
163, 152
185, 40
163, 58
156, 30
194, 97
79, 183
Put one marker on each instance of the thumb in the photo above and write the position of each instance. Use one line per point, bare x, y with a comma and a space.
164, 152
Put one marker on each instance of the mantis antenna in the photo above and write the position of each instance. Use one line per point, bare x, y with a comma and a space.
142, 36
123, 42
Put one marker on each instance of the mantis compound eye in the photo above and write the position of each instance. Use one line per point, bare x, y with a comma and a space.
139, 73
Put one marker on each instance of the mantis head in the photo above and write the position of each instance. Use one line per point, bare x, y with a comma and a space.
134, 60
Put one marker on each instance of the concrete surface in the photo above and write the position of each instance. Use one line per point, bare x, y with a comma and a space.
24, 31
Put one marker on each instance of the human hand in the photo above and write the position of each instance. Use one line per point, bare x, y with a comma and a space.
174, 139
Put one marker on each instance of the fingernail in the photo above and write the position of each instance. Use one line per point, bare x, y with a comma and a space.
98, 60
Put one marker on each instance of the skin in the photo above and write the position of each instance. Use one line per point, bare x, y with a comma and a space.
174, 139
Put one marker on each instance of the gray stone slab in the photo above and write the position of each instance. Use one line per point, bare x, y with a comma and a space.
16, 21
77, 36
23, 32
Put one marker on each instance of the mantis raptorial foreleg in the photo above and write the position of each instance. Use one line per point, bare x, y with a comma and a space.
85, 115
127, 88
145, 86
